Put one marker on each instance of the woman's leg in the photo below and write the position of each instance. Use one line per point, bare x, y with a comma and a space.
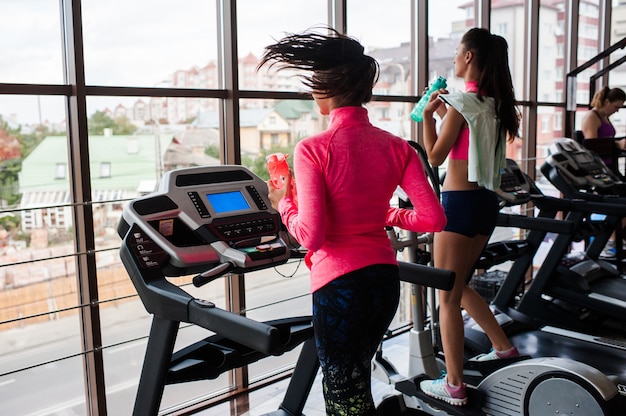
451, 253
350, 317
478, 308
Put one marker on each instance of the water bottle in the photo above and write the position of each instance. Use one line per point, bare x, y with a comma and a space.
418, 111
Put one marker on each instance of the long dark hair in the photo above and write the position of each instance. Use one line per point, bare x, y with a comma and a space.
492, 57
337, 65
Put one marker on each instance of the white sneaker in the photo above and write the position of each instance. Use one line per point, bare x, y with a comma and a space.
495, 355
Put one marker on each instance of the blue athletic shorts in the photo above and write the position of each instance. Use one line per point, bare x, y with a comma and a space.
470, 212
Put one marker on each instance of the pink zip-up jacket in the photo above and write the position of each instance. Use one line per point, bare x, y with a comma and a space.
346, 177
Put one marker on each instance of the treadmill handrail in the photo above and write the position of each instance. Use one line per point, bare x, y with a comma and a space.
551, 225
423, 275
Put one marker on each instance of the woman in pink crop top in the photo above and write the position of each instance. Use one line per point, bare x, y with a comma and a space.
481, 60
346, 176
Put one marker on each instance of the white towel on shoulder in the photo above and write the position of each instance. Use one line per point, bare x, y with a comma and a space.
486, 156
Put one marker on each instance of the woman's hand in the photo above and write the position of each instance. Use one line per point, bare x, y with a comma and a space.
434, 103
275, 195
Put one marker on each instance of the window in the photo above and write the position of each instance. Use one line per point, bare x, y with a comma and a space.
546, 125
151, 112
60, 171
105, 169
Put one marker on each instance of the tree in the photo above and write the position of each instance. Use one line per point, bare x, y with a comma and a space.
9, 170
123, 126
15, 147
99, 121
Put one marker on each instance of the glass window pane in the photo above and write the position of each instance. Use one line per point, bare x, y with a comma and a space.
52, 397
141, 138
507, 20
391, 116
150, 43
550, 76
39, 345
447, 22
588, 48
270, 126
547, 117
30, 40
617, 75
261, 26
42, 196
551, 59
276, 293
388, 44
33, 113
39, 319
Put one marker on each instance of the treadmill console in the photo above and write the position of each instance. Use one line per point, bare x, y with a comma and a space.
203, 217
572, 165
515, 187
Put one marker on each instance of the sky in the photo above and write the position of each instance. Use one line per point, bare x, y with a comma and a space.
142, 42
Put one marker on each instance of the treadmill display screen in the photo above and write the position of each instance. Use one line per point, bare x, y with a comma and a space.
226, 202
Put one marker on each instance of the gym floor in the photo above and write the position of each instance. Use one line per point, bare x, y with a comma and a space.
268, 399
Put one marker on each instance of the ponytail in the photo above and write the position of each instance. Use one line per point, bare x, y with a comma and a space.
606, 93
492, 59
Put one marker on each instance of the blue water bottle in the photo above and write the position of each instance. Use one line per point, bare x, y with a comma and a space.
418, 111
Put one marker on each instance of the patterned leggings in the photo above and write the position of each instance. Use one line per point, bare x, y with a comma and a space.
350, 317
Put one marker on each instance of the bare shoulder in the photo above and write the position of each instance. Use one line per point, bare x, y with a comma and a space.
590, 119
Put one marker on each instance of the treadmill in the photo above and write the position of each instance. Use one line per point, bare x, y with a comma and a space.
208, 221
590, 286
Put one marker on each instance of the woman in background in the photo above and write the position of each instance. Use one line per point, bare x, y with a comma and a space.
346, 176
596, 123
473, 138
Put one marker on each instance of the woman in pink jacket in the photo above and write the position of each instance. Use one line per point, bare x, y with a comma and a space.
346, 176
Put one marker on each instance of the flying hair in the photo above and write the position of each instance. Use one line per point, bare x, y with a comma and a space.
335, 64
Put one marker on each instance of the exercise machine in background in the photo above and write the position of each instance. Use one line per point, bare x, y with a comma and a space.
591, 285
528, 329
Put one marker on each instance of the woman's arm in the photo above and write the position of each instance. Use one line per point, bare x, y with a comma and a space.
438, 146
306, 222
427, 214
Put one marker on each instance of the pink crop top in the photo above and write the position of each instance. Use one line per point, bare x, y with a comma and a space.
460, 149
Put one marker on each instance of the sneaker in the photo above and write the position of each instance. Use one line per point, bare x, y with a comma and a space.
497, 355
608, 253
441, 390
